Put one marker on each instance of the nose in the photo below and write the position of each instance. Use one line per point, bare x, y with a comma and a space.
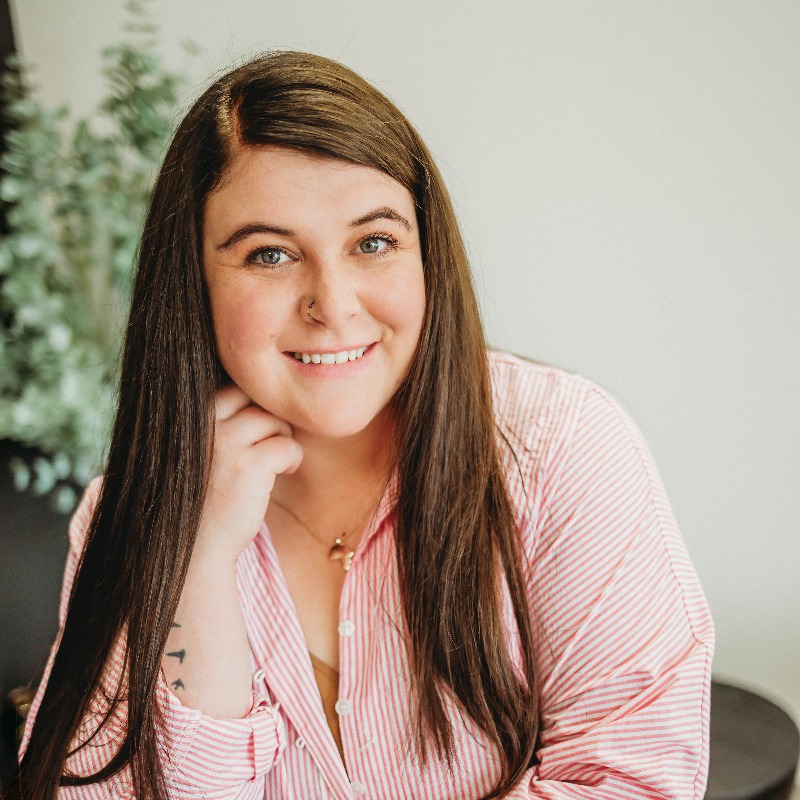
335, 295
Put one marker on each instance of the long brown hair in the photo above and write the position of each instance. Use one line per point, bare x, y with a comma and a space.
456, 536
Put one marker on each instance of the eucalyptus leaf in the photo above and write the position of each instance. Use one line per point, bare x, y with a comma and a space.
75, 194
21, 473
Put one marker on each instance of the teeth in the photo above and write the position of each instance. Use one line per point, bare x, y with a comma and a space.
330, 358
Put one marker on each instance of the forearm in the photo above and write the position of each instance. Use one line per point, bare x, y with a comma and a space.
207, 658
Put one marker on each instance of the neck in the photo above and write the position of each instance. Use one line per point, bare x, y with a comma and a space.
338, 479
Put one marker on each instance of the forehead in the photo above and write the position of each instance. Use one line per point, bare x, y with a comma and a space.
273, 178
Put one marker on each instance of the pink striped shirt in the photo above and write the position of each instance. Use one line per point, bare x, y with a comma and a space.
623, 640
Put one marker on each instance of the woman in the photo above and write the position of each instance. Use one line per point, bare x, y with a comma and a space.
339, 549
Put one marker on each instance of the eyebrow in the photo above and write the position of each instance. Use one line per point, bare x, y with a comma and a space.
249, 230
255, 227
382, 213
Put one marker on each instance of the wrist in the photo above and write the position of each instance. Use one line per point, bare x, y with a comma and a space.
213, 559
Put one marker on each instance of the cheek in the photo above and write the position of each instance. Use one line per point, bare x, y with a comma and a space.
417, 310
243, 327
402, 306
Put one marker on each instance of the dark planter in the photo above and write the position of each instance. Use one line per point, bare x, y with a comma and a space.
33, 549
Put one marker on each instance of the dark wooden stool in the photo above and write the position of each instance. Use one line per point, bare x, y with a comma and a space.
754, 747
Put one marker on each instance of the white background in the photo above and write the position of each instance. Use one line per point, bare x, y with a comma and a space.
627, 175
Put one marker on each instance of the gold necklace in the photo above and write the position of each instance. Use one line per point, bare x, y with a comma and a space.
339, 550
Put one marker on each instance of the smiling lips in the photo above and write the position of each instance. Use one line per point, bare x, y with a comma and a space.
341, 357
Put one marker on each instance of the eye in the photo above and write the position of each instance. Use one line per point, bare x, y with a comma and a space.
377, 245
268, 257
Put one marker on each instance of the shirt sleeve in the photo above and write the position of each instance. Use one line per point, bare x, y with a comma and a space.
623, 634
202, 756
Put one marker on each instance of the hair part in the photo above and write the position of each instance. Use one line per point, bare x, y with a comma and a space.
455, 559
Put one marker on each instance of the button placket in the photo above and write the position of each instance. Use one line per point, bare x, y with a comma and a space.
344, 705
348, 647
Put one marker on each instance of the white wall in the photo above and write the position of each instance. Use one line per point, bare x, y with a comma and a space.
627, 174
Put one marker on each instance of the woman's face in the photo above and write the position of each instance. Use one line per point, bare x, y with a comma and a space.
285, 229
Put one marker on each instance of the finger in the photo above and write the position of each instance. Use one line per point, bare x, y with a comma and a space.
252, 425
229, 401
282, 453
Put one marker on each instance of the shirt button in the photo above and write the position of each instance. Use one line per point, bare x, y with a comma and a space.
300, 742
347, 628
357, 788
259, 676
343, 706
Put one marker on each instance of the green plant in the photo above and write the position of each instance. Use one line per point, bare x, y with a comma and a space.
74, 194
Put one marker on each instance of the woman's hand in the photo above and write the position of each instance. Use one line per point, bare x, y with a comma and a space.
251, 447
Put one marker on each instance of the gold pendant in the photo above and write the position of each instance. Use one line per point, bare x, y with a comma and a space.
341, 552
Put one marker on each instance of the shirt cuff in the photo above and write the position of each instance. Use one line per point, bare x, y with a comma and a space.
213, 752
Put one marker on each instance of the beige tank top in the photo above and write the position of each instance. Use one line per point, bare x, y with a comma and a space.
328, 682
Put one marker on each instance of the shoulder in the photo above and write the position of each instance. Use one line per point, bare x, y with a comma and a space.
538, 406
82, 517
568, 445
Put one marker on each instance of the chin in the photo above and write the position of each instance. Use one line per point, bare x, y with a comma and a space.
339, 425
332, 428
